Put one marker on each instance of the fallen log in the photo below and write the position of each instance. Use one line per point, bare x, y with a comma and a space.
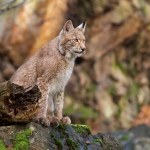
17, 105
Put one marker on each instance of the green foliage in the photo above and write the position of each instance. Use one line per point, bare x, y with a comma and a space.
81, 128
58, 143
86, 112
89, 90
143, 6
126, 70
133, 90
112, 90
119, 111
2, 146
121, 66
72, 145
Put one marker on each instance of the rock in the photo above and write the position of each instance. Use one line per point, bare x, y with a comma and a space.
40, 138
137, 3
106, 105
137, 138
122, 12
1, 77
7, 69
143, 117
34, 136
128, 112
117, 33
139, 144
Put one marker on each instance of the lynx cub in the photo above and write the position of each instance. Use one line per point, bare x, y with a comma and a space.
50, 68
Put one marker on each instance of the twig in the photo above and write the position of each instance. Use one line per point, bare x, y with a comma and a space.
9, 6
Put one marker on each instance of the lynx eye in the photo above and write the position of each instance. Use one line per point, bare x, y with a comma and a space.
76, 40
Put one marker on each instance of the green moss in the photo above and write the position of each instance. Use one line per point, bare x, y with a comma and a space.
98, 141
28, 132
52, 135
72, 145
62, 126
85, 147
81, 128
125, 138
58, 143
62, 136
2, 146
21, 141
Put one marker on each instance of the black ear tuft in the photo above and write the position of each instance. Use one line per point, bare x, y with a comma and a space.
82, 26
84, 23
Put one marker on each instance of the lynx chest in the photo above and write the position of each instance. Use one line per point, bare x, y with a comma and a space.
59, 82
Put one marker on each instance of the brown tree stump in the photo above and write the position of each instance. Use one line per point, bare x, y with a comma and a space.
17, 105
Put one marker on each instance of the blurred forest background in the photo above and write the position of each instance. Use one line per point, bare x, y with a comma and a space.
110, 85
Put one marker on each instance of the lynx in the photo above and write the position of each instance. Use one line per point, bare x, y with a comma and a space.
50, 69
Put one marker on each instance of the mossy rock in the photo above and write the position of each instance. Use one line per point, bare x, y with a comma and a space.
78, 137
64, 137
2, 146
72, 145
81, 128
20, 141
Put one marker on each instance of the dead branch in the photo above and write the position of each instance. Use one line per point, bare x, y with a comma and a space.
10, 4
17, 105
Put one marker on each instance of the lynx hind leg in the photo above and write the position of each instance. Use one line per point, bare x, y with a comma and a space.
58, 107
41, 117
43, 104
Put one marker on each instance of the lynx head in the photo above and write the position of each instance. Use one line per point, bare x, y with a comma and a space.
72, 40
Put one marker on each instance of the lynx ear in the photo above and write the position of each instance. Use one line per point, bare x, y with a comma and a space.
82, 26
68, 26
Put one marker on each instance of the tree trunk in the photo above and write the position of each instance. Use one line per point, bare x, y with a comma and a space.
17, 105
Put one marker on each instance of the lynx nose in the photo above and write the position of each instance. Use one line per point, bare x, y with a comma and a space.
83, 49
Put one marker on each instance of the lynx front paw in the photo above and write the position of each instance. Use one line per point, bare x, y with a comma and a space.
55, 121
65, 120
43, 120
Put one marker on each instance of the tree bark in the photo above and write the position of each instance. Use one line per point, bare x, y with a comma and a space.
17, 105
